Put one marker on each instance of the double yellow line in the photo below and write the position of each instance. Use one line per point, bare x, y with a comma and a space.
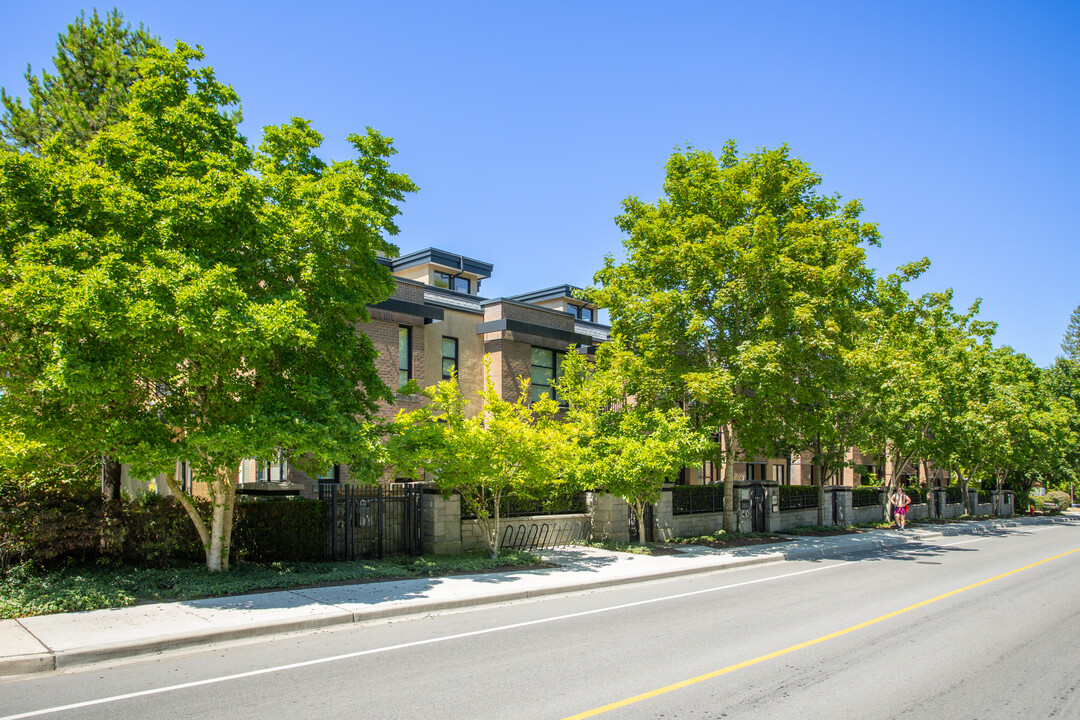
839, 633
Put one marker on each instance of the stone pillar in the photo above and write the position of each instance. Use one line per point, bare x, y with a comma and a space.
609, 515
664, 516
1004, 501
441, 526
845, 511
941, 495
772, 506
743, 521
973, 499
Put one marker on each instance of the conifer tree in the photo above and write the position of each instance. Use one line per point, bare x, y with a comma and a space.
1070, 344
96, 63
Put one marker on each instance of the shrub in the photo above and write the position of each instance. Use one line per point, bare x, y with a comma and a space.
50, 524
1055, 502
287, 530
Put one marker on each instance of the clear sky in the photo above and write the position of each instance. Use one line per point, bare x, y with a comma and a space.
526, 124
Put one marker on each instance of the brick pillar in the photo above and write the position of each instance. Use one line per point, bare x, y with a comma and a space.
441, 527
609, 517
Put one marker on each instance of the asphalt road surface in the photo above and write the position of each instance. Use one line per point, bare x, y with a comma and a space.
962, 627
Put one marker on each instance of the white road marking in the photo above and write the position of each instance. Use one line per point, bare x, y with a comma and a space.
402, 646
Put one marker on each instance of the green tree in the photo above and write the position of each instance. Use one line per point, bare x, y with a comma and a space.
513, 447
625, 442
721, 291
1062, 381
96, 63
1070, 344
170, 293
1028, 427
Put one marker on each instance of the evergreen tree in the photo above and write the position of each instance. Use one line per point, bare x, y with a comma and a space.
96, 63
1070, 344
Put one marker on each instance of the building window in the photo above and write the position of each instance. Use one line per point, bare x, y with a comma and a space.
546, 369
331, 474
452, 282
582, 312
755, 472
404, 354
780, 474
449, 356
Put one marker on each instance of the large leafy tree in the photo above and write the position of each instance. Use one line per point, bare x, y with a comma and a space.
169, 293
626, 441
725, 286
511, 447
95, 65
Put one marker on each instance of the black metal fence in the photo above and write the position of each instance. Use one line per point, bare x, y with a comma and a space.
954, 495
798, 497
865, 497
694, 499
372, 522
517, 506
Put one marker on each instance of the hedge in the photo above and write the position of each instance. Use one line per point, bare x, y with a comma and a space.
73, 522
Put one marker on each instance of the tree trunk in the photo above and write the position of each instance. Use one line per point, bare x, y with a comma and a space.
190, 509
110, 478
820, 494
495, 531
223, 495
639, 508
729, 483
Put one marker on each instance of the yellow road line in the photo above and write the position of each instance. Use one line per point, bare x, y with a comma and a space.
839, 633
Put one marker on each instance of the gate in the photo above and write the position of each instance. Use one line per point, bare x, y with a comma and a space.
758, 498
371, 522
837, 510
634, 527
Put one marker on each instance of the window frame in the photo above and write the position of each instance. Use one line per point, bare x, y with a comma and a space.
407, 361
556, 372
451, 280
457, 350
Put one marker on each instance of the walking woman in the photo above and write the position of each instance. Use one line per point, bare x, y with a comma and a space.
900, 502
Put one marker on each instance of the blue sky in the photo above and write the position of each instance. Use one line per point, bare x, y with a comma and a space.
526, 124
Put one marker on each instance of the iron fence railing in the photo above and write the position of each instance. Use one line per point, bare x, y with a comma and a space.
954, 495
372, 522
694, 499
866, 497
798, 497
516, 506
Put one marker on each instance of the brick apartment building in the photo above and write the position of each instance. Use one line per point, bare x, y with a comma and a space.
437, 321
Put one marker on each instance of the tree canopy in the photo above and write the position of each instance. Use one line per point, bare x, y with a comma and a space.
170, 293
511, 447
728, 289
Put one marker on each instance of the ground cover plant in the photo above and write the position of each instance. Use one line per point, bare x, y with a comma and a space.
721, 539
32, 589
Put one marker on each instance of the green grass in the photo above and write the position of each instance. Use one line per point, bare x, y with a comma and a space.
31, 590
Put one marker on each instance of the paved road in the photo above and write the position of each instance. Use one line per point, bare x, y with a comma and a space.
950, 628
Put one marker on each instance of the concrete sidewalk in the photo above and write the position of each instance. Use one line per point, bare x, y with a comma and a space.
51, 642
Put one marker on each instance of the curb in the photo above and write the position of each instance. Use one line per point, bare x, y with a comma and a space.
50, 661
